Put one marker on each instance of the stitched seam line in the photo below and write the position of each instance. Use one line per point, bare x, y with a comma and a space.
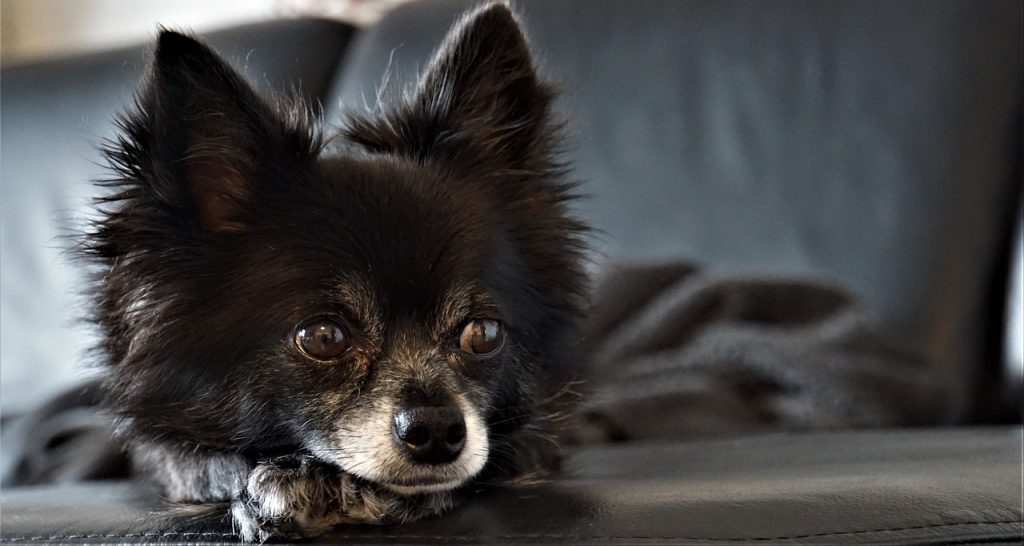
120, 535
450, 537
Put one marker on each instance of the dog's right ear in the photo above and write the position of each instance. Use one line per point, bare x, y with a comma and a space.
201, 142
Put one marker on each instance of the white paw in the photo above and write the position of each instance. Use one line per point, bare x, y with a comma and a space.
286, 498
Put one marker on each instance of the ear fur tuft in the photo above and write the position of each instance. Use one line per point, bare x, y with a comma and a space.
199, 139
480, 100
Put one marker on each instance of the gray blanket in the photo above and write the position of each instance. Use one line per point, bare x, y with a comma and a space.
673, 353
680, 353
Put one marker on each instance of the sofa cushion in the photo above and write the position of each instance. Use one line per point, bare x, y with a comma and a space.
893, 487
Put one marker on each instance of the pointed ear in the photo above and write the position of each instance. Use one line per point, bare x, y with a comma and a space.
205, 137
481, 93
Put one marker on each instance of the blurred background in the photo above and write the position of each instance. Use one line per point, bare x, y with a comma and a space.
37, 29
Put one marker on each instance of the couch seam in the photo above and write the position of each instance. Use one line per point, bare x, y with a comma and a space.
450, 537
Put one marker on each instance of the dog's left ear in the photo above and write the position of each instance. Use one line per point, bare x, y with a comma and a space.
480, 99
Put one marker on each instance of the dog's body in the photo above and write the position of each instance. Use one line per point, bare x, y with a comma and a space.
320, 339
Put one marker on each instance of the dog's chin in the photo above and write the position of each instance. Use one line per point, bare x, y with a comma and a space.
411, 479
420, 489
368, 452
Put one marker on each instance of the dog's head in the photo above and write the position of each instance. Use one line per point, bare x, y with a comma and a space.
396, 308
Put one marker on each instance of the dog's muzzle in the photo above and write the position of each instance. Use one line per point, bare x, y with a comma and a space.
429, 430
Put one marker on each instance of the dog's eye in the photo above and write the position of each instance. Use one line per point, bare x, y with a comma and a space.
481, 337
322, 340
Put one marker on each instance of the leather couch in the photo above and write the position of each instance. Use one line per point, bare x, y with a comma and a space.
875, 144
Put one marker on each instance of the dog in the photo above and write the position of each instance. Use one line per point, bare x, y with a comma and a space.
309, 331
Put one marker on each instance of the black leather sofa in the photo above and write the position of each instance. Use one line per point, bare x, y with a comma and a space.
874, 143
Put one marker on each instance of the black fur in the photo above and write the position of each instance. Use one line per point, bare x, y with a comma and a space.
229, 225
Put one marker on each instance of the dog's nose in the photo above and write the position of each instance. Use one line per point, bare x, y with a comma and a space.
430, 434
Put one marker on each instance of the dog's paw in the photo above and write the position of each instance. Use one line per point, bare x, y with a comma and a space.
300, 497
287, 498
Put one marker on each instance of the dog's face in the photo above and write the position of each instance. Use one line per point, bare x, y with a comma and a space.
396, 308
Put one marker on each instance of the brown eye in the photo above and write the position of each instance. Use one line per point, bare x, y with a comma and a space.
322, 340
481, 337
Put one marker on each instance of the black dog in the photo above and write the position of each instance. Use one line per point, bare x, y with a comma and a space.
326, 338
